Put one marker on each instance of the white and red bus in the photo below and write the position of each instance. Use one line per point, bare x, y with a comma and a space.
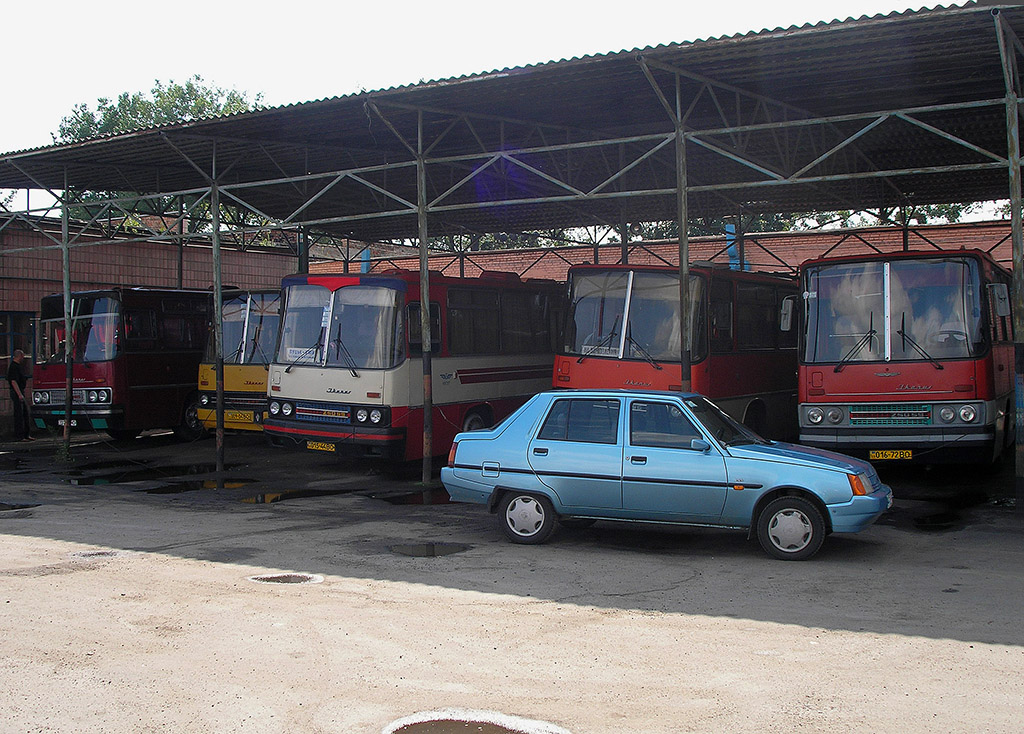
623, 331
348, 374
907, 356
135, 354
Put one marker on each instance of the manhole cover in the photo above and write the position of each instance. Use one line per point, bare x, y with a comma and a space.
426, 550
459, 722
287, 578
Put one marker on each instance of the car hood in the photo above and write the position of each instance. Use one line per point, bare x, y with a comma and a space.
791, 453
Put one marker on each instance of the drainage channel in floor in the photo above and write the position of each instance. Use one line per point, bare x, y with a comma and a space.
429, 550
434, 496
77, 477
196, 485
287, 578
270, 497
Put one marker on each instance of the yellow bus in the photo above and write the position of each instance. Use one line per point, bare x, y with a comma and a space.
250, 320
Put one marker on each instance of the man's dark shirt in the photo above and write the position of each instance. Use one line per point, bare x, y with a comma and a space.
16, 374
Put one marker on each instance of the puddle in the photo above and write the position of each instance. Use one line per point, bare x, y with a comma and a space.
11, 462
938, 521
429, 550
419, 497
454, 721
113, 464
4, 507
269, 497
287, 578
194, 486
453, 726
136, 475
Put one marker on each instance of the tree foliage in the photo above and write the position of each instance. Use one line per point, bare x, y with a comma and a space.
164, 105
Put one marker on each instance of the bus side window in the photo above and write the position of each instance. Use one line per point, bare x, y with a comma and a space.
416, 331
720, 317
139, 329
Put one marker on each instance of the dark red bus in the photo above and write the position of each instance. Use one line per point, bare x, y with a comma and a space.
136, 354
623, 331
907, 356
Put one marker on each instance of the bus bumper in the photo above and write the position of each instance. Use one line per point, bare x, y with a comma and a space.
95, 419
385, 443
940, 446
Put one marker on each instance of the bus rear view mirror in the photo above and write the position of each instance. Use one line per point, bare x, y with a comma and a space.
786, 313
1000, 296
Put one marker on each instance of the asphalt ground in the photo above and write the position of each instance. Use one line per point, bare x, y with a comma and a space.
127, 605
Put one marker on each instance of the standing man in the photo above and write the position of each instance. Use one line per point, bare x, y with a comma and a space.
18, 379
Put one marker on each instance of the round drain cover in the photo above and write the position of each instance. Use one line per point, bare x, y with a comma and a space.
424, 550
455, 721
287, 578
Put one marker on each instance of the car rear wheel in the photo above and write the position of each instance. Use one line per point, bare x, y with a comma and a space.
790, 528
526, 518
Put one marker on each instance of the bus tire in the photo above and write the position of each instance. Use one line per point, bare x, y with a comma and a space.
756, 418
190, 428
475, 420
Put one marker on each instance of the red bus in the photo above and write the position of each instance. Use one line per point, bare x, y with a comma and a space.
348, 375
623, 331
135, 353
907, 356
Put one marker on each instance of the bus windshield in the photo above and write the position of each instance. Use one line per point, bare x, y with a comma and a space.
354, 327
249, 322
95, 329
925, 309
646, 302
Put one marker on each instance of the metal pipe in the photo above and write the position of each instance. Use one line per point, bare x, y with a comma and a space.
428, 397
685, 337
69, 362
218, 328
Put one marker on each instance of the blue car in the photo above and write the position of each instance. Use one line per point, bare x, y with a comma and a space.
574, 457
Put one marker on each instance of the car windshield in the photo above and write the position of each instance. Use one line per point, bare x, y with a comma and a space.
917, 309
725, 430
354, 327
95, 329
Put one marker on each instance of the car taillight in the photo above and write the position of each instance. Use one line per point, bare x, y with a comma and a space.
451, 454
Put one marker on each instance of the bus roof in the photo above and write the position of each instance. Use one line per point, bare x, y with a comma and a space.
904, 255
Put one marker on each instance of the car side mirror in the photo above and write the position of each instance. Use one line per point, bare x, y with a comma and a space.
699, 444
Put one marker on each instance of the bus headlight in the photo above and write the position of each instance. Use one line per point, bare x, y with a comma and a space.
815, 416
275, 407
286, 409
93, 396
947, 414
40, 397
204, 399
362, 414
834, 415
968, 414
375, 416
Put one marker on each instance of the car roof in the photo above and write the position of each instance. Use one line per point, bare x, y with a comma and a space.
618, 393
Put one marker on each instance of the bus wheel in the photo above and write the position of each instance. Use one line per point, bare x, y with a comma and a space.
526, 518
755, 419
474, 421
190, 428
123, 434
790, 528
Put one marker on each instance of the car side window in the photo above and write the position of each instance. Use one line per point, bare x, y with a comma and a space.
660, 425
586, 421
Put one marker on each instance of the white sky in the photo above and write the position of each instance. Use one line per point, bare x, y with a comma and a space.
59, 54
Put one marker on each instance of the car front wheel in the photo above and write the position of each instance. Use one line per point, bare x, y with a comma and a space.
791, 529
526, 518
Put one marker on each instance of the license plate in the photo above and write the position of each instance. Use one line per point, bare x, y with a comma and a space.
60, 422
320, 446
890, 454
238, 416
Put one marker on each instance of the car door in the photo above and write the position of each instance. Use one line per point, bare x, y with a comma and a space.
662, 475
578, 454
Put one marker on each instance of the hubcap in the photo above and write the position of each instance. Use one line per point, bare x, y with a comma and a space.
524, 516
790, 530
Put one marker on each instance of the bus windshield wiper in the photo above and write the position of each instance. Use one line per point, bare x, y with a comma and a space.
643, 352
344, 350
603, 343
861, 343
902, 331
305, 352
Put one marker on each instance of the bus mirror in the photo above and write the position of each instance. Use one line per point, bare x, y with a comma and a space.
1000, 298
786, 313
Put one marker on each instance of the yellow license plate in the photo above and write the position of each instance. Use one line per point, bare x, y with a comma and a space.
889, 454
238, 416
320, 446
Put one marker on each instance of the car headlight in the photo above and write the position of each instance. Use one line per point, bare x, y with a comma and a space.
362, 414
275, 407
376, 416
835, 415
968, 414
815, 415
204, 399
286, 408
947, 414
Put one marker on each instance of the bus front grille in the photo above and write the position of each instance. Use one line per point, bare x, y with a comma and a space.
895, 414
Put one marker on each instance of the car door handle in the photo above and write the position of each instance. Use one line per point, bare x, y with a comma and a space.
540, 452
637, 459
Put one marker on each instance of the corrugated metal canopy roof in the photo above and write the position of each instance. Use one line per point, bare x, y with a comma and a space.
536, 127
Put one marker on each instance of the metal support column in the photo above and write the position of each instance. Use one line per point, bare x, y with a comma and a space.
303, 247
421, 217
218, 326
684, 258
69, 358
